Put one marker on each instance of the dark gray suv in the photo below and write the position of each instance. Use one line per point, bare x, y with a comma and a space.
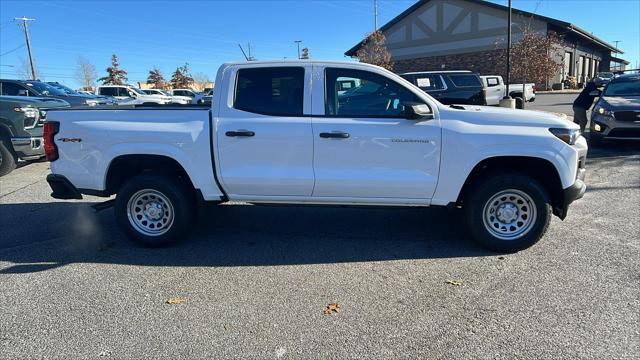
616, 114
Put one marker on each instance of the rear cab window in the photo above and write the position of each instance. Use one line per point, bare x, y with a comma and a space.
492, 81
276, 91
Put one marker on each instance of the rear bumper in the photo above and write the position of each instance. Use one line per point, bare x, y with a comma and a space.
28, 148
62, 188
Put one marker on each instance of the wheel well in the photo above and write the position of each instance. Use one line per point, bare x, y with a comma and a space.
125, 167
541, 170
5, 131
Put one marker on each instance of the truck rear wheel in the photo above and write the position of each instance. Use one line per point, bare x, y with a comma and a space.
155, 209
508, 212
8, 158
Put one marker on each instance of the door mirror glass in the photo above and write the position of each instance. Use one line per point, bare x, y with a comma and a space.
415, 111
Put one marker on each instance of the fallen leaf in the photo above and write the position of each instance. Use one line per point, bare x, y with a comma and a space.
227, 327
331, 308
454, 283
500, 257
176, 300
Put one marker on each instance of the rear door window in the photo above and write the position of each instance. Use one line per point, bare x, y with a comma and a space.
277, 91
107, 91
492, 81
465, 80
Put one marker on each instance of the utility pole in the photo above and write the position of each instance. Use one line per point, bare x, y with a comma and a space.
26, 35
375, 15
298, 43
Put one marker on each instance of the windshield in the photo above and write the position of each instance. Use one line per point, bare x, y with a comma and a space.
623, 88
66, 89
45, 89
138, 91
605, 75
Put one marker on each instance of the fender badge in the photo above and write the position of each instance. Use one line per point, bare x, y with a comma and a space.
70, 139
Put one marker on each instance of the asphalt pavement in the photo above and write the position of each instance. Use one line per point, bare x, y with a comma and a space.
253, 282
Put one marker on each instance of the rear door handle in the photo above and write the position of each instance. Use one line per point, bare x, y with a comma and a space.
334, 135
240, 133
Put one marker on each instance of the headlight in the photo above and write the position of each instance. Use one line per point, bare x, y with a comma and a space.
567, 135
602, 111
91, 102
27, 111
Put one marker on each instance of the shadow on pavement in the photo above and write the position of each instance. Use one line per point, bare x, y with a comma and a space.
236, 235
617, 148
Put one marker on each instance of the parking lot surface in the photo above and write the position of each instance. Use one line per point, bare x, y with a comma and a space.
253, 281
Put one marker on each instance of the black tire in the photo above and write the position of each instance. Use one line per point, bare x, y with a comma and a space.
485, 191
8, 158
172, 196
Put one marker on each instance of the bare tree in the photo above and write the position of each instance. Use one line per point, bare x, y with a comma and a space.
23, 71
534, 57
374, 51
86, 73
201, 81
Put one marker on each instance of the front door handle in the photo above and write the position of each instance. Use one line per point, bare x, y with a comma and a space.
334, 135
240, 133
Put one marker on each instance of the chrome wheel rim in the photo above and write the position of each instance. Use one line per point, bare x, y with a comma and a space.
509, 214
150, 212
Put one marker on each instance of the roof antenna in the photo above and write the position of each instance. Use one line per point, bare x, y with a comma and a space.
243, 53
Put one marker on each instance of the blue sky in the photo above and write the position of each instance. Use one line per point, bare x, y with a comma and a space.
206, 33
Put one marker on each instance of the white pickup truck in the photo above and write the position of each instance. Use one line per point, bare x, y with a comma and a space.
496, 89
129, 95
289, 133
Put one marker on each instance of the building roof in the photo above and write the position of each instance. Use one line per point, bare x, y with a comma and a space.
562, 24
620, 61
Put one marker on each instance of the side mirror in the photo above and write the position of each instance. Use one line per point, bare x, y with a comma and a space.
595, 93
417, 111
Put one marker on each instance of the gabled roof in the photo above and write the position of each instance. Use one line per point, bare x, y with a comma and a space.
559, 23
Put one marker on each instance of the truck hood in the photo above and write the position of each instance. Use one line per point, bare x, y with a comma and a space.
503, 116
620, 103
39, 102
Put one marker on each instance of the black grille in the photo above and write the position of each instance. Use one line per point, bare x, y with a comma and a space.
625, 132
633, 115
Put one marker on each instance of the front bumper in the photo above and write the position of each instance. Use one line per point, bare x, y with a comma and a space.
608, 127
62, 188
28, 148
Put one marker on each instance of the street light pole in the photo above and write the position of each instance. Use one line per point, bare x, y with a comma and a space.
298, 43
26, 35
375, 15
508, 51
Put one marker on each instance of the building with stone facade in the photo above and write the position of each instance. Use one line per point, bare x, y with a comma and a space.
467, 35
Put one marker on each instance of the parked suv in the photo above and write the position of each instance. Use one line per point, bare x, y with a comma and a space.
616, 114
21, 120
450, 87
41, 89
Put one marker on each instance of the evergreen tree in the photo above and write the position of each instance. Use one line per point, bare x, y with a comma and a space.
115, 75
155, 79
181, 78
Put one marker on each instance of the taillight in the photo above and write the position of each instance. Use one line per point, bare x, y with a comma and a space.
484, 92
534, 88
50, 149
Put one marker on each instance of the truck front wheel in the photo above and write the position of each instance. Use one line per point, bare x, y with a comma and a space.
155, 209
8, 158
508, 212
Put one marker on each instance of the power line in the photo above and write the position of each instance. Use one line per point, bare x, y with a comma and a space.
12, 50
